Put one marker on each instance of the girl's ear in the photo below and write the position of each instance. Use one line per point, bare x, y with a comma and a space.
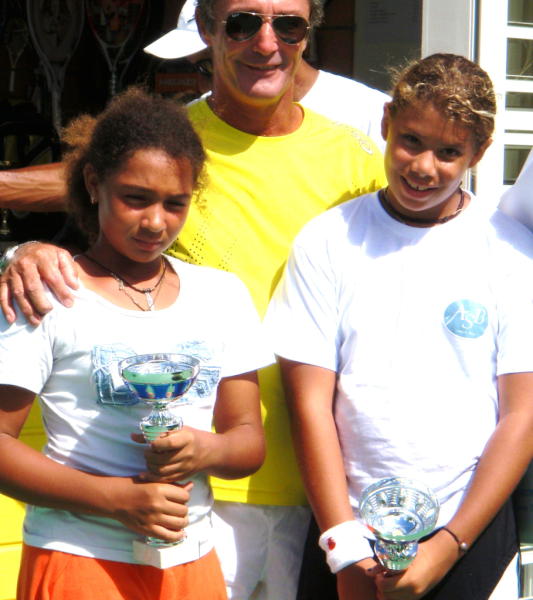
202, 29
479, 154
385, 122
91, 182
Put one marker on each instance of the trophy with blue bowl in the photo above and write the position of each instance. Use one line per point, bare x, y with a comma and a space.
159, 380
398, 511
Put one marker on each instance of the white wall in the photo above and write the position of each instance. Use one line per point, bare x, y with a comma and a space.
447, 26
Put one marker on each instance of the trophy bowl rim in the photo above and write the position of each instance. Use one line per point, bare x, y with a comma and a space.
194, 362
408, 482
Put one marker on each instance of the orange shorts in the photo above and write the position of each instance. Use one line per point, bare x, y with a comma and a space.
52, 575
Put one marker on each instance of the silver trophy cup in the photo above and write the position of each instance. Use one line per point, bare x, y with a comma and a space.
398, 511
160, 380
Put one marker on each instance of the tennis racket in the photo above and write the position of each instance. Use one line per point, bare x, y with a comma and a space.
3, 17
55, 29
16, 38
134, 43
113, 23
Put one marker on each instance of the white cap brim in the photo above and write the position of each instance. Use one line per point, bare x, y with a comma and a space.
176, 44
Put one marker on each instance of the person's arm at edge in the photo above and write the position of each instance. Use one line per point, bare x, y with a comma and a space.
310, 391
29, 476
39, 188
494, 479
236, 450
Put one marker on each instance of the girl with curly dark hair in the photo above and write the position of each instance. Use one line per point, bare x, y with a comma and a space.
132, 173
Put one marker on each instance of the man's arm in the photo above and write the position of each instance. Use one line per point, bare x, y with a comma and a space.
310, 391
40, 188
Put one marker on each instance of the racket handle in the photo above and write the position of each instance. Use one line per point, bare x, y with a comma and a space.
12, 81
56, 109
113, 83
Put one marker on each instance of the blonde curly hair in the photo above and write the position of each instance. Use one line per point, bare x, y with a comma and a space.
457, 86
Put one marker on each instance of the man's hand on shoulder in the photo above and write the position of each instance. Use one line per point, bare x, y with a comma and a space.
22, 281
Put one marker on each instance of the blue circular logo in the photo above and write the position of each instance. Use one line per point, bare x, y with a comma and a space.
466, 319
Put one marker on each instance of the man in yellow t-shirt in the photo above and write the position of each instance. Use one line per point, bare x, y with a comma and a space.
260, 193
272, 166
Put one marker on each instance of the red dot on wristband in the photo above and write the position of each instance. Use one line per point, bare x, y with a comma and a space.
331, 543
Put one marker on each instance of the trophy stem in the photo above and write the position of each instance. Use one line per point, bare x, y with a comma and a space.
159, 421
395, 556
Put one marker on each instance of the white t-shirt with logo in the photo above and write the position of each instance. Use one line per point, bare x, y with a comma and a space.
71, 362
418, 323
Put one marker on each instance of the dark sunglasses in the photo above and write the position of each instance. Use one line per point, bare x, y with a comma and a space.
242, 26
204, 67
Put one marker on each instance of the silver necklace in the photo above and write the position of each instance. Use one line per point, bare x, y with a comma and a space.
146, 291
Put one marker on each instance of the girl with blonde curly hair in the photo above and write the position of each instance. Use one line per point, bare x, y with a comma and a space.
403, 323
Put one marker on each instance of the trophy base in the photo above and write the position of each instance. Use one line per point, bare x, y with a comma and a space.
163, 558
157, 543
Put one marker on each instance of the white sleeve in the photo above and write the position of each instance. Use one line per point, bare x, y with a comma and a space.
245, 347
302, 319
516, 201
515, 323
26, 353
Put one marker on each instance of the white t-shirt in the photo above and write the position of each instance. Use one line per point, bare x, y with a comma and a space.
417, 323
71, 360
350, 102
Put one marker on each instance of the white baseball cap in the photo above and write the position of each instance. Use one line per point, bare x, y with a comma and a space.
183, 40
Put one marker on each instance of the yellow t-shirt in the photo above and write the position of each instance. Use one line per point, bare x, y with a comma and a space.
261, 191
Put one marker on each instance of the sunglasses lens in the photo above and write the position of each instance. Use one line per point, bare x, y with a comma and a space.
242, 26
290, 29
205, 67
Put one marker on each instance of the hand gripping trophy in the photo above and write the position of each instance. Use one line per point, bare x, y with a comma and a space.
398, 511
159, 380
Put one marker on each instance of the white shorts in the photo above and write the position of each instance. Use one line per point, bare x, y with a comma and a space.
260, 548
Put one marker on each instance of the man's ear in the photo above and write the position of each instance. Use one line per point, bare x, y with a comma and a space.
385, 122
479, 154
202, 29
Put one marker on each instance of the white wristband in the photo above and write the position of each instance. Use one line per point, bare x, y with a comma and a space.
345, 544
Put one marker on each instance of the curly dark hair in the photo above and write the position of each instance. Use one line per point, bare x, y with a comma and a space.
206, 8
134, 120
458, 87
